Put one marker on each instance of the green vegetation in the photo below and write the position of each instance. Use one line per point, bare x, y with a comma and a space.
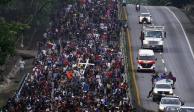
177, 3
8, 34
24, 18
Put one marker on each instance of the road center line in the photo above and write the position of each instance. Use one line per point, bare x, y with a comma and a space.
185, 35
163, 61
165, 69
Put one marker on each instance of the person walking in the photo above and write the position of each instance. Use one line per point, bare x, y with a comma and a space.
142, 38
21, 65
150, 92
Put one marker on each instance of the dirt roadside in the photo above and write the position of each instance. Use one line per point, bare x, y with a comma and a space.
14, 76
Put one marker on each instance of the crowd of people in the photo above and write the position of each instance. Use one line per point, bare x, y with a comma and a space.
79, 68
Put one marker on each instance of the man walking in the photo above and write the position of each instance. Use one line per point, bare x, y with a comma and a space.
142, 38
150, 92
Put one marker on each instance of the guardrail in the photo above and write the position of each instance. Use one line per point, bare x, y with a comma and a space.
22, 82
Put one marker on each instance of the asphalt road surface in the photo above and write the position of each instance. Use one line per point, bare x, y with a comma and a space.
177, 56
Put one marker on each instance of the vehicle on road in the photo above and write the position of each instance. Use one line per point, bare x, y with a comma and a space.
162, 88
170, 101
153, 37
124, 3
145, 18
146, 60
178, 109
186, 109
172, 109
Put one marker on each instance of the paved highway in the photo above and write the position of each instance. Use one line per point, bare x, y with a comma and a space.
177, 56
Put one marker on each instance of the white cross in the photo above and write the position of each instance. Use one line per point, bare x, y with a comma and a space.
86, 64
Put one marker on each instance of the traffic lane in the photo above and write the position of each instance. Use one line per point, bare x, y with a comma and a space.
187, 24
179, 58
177, 55
170, 49
143, 79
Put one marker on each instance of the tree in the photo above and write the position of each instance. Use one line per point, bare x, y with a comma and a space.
8, 34
181, 3
177, 3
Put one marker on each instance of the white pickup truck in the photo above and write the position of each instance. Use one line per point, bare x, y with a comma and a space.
162, 87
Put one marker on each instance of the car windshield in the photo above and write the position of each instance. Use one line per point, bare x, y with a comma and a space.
171, 101
186, 110
145, 15
172, 109
157, 34
164, 86
146, 57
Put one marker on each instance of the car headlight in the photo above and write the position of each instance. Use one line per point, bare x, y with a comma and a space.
171, 92
155, 91
145, 42
161, 107
160, 42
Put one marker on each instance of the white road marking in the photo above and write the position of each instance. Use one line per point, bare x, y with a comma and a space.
165, 69
163, 61
185, 35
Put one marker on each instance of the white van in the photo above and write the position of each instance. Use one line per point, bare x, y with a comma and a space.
146, 60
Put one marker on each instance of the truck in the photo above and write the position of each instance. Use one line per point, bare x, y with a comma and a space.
153, 37
146, 60
162, 88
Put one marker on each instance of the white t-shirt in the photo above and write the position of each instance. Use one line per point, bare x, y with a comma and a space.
22, 64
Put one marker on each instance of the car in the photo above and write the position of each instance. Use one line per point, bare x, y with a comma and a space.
169, 101
145, 18
124, 3
146, 60
153, 37
179, 109
172, 109
186, 109
161, 89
